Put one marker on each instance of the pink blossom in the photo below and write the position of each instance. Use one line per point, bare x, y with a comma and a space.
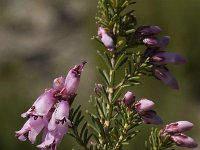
72, 80
183, 140
42, 105
129, 98
144, 105
177, 127
57, 126
31, 128
163, 58
58, 83
106, 39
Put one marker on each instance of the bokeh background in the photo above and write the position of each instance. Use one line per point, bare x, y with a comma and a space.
41, 40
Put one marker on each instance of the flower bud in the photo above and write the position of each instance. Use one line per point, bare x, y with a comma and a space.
129, 98
150, 117
179, 126
106, 39
162, 58
73, 78
153, 42
144, 105
184, 140
163, 74
58, 83
148, 30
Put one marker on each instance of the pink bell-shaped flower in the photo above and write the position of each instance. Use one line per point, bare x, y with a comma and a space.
42, 105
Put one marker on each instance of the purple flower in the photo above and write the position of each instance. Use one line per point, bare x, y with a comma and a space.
177, 127
163, 58
31, 128
144, 105
183, 140
58, 83
163, 74
72, 80
57, 126
129, 98
60, 115
147, 30
53, 138
150, 117
42, 105
159, 43
106, 39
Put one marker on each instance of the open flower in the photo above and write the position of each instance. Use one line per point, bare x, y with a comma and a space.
50, 111
57, 126
42, 105
31, 128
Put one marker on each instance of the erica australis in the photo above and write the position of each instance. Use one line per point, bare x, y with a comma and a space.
117, 111
50, 112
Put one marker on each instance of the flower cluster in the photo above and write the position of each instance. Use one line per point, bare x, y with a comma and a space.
50, 112
175, 131
159, 58
143, 107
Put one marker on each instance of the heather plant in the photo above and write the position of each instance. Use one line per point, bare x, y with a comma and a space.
130, 52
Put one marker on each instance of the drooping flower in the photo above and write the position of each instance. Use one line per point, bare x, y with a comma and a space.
179, 126
57, 126
157, 43
144, 105
163, 58
175, 131
163, 74
42, 105
146, 30
31, 128
43, 115
144, 108
151, 117
183, 140
106, 39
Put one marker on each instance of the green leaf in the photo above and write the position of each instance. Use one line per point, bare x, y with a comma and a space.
121, 60
105, 58
75, 112
85, 136
83, 129
104, 75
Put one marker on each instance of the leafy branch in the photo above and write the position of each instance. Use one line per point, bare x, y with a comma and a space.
82, 136
158, 142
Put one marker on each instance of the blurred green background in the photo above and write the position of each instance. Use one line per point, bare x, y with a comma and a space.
41, 40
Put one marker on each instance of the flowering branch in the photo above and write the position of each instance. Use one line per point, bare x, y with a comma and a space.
118, 112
